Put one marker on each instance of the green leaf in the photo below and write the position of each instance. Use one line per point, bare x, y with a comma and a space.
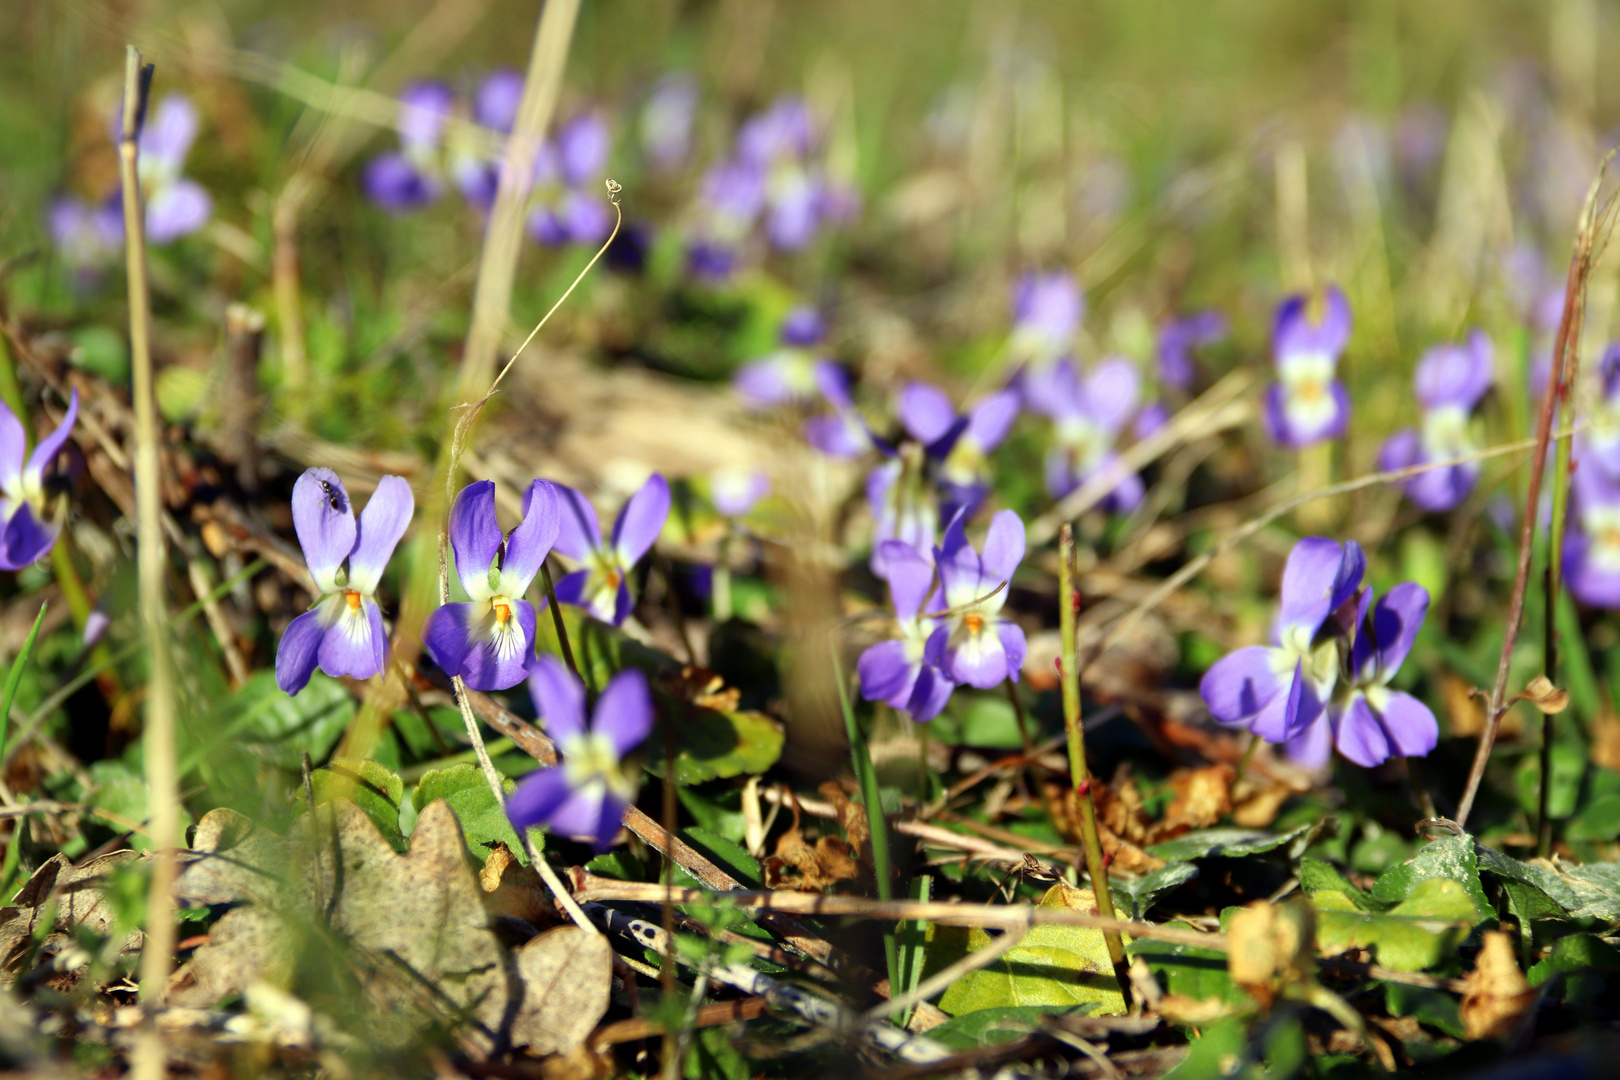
1136, 896
120, 789
1224, 843
1317, 876
1187, 970
14, 676
373, 788
1568, 769
991, 1027
986, 721
1411, 936
483, 820
1220, 1053
1591, 891
1436, 1008
1588, 964
731, 857
620, 865
1598, 820
278, 727
1054, 966
1450, 859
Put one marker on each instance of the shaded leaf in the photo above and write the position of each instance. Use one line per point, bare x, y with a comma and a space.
483, 820
1449, 859
1591, 891
371, 786
1224, 843
1054, 966
1188, 971
1413, 935
1137, 895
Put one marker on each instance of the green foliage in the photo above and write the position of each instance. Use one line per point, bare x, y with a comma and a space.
730, 856
377, 791
1224, 843
1413, 935
1054, 966
1192, 972
1589, 967
1451, 859
983, 720
1134, 897
991, 1027
483, 820
1220, 1052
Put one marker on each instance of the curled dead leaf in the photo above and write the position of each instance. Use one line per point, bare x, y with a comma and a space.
1497, 993
1202, 798
1550, 700
512, 890
1271, 946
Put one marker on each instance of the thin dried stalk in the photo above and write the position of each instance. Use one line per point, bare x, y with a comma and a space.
1096, 865
1589, 239
157, 953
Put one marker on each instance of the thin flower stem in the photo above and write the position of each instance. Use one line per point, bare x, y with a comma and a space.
1247, 758
157, 954
878, 826
557, 621
1592, 234
1068, 602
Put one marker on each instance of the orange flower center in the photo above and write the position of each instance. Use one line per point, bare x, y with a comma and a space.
353, 598
503, 612
973, 621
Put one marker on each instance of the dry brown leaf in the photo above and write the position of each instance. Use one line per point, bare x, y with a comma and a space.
512, 890
851, 817
417, 930
1125, 854
1255, 805
1202, 798
1271, 946
1119, 807
800, 867
69, 895
1497, 993
1605, 731
1550, 700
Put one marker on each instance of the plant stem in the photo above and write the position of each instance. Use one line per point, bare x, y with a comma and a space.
15, 677
1068, 605
557, 621
157, 953
1595, 226
861, 758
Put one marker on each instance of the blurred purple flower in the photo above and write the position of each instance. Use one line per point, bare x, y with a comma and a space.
895, 671
176, 206
1177, 340
975, 645
30, 517
601, 586
1278, 691
1599, 445
343, 632
1088, 413
489, 640
1450, 381
903, 504
585, 795
964, 467
667, 120
735, 491
794, 373
1046, 309
89, 236
1367, 721
1307, 404
409, 178
495, 106
1592, 548
565, 207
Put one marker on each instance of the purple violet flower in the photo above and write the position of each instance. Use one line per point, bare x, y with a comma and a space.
1592, 548
495, 106
895, 671
1450, 381
1307, 405
1088, 414
796, 372
1365, 719
342, 633
409, 178
735, 491
564, 208
1277, 691
975, 645
30, 518
89, 236
1047, 309
602, 585
586, 794
1177, 340
176, 206
964, 470
1599, 444
489, 640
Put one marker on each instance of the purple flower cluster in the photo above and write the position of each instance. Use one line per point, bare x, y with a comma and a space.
1178, 339
564, 204
1450, 381
774, 179
1089, 411
30, 516
1324, 680
488, 640
954, 635
1592, 545
795, 373
1308, 404
90, 235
